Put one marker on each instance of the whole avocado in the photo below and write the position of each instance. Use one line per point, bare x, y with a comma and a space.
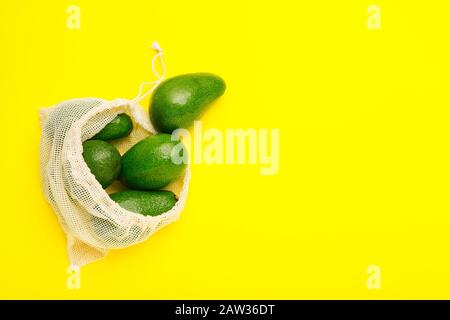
180, 100
148, 164
119, 127
103, 160
148, 203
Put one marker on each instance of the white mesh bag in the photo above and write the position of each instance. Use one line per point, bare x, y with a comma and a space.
92, 221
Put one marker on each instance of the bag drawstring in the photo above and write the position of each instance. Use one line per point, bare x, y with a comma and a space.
160, 77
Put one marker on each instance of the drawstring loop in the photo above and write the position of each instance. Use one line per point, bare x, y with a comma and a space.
160, 77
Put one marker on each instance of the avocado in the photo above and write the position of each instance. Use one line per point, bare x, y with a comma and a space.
108, 231
103, 160
148, 203
148, 164
119, 127
178, 101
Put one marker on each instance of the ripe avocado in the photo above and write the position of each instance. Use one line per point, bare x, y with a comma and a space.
148, 203
103, 160
119, 127
148, 164
178, 101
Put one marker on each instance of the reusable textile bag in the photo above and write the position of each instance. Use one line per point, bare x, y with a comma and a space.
92, 221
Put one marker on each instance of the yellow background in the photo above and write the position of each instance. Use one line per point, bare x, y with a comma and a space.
364, 161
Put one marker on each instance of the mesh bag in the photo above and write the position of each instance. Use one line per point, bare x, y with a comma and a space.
92, 221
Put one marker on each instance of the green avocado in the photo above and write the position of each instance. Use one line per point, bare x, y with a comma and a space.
122, 236
148, 164
178, 101
120, 127
148, 203
103, 160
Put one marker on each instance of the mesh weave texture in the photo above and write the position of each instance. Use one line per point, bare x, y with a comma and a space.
92, 221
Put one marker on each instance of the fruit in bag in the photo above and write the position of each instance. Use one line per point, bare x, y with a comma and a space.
148, 164
120, 127
148, 203
103, 160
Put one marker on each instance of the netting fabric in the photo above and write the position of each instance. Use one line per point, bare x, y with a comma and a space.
92, 221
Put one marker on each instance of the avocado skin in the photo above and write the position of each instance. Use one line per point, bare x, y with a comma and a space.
148, 164
103, 160
119, 127
180, 100
148, 203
